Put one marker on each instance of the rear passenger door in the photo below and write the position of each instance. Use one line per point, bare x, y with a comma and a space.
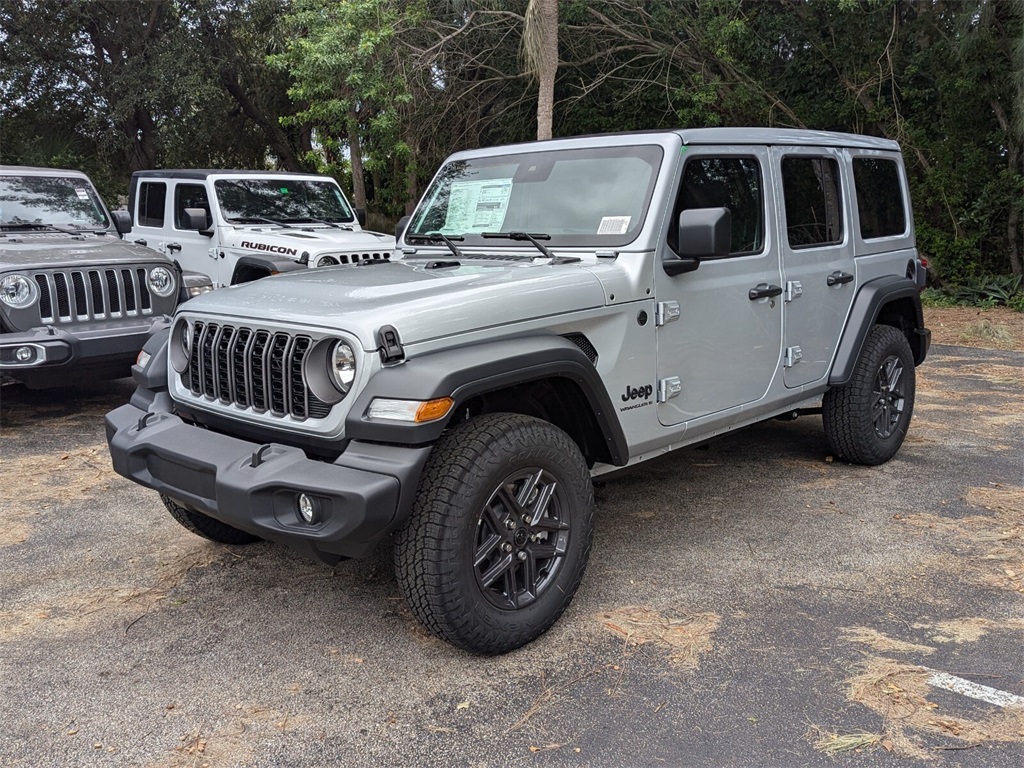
817, 246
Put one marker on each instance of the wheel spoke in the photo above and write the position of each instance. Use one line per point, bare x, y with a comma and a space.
895, 374
523, 497
484, 550
540, 506
550, 524
510, 501
501, 567
530, 575
493, 516
546, 551
510, 587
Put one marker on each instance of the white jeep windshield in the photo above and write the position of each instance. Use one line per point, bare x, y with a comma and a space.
587, 197
288, 200
50, 201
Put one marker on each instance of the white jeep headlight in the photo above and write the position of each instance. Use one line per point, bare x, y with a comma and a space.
18, 291
326, 261
342, 366
161, 281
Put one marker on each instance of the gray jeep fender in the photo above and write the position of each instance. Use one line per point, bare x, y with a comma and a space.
465, 372
892, 301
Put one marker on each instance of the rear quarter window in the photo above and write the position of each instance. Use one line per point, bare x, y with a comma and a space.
879, 197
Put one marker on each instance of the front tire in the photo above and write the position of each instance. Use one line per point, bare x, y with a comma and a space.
499, 535
867, 418
206, 526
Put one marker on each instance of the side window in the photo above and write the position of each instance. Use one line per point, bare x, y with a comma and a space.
879, 200
729, 182
190, 196
813, 212
152, 196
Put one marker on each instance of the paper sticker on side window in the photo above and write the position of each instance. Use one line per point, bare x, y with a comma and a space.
613, 225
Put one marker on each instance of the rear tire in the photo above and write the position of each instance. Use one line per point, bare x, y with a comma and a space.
206, 526
867, 418
499, 535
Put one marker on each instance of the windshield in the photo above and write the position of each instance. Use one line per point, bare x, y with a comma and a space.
56, 201
282, 200
588, 197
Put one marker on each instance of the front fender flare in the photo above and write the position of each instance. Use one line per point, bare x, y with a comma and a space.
465, 372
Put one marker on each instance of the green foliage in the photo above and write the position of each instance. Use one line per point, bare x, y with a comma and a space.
936, 297
992, 289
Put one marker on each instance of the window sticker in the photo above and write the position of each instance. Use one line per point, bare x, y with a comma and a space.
477, 206
613, 225
82, 194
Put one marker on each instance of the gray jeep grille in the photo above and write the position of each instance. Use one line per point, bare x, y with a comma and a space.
66, 296
251, 368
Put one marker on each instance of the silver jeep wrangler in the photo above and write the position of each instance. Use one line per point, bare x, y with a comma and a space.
562, 309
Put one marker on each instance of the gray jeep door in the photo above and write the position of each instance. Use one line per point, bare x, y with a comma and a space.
817, 248
718, 348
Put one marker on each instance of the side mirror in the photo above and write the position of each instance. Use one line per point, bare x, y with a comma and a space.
401, 226
361, 216
704, 233
196, 219
122, 221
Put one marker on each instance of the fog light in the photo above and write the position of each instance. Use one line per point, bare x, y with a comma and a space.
309, 510
24, 354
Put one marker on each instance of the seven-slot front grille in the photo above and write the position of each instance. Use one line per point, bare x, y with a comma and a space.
251, 368
103, 293
355, 258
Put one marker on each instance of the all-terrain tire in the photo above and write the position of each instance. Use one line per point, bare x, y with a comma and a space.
206, 526
867, 418
499, 535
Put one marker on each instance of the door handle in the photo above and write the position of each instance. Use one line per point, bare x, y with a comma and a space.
140, 242
173, 247
764, 291
839, 278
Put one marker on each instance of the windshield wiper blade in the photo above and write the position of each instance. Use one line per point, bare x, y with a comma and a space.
315, 220
535, 239
35, 225
433, 237
258, 219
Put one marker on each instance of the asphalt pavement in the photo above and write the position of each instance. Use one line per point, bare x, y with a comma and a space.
749, 602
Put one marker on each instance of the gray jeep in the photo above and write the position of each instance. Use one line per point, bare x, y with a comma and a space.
562, 310
76, 302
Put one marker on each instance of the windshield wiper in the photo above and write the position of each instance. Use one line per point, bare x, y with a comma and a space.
535, 239
433, 237
334, 224
34, 225
259, 219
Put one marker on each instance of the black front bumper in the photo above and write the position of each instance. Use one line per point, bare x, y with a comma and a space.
362, 496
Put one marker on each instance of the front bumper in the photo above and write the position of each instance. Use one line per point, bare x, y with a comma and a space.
76, 345
362, 496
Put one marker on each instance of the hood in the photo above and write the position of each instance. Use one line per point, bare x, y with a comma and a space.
422, 303
48, 250
318, 240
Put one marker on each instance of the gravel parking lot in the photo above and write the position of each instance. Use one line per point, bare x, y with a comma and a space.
748, 603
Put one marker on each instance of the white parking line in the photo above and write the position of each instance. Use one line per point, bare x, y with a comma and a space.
956, 684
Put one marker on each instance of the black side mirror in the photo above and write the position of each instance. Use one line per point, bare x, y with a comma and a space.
122, 221
361, 216
704, 233
400, 227
197, 219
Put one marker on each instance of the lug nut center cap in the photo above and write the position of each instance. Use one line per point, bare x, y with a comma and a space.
521, 537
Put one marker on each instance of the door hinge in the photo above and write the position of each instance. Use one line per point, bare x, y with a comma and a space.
669, 388
794, 290
667, 312
793, 356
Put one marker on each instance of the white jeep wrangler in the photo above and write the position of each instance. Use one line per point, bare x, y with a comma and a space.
238, 226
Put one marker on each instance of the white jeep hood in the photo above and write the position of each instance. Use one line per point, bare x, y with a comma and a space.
313, 240
421, 302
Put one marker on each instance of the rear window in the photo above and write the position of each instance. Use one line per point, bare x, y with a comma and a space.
879, 197
152, 196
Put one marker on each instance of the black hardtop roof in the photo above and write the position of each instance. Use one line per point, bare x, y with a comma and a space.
205, 173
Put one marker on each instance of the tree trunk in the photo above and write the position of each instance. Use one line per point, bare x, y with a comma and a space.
540, 47
356, 152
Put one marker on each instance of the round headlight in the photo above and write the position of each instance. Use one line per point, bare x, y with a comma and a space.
326, 261
161, 282
18, 291
342, 366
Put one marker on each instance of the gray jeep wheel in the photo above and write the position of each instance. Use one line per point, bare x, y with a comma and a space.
867, 418
206, 526
500, 533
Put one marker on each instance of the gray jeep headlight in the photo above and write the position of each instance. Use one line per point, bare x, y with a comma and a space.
161, 281
342, 366
18, 291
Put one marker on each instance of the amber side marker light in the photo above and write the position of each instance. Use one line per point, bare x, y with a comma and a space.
412, 411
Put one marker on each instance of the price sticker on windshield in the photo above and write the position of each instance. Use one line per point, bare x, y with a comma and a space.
613, 225
82, 194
